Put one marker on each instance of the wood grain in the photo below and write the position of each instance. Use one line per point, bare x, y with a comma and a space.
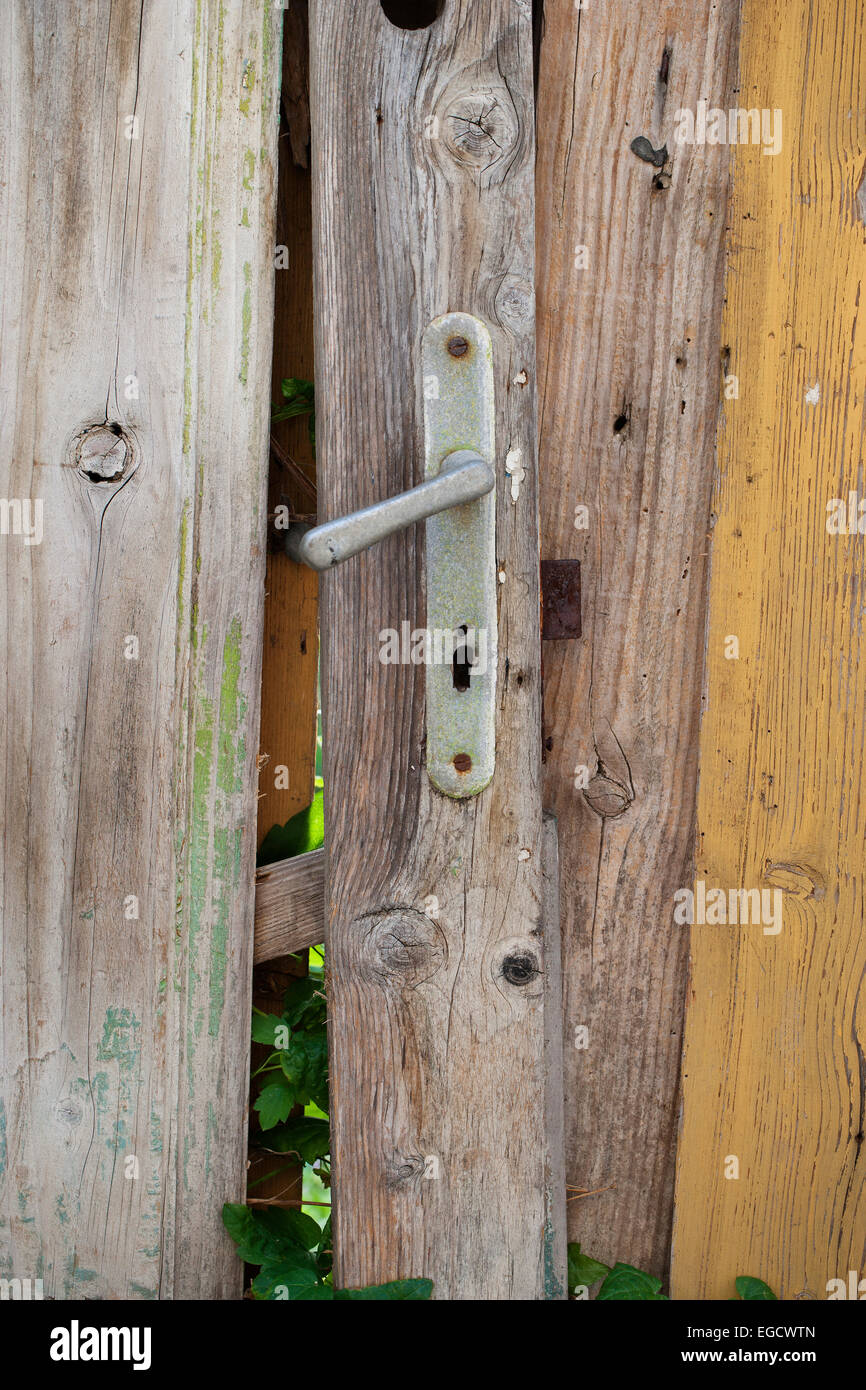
629, 301
774, 1069
423, 203
290, 906
137, 301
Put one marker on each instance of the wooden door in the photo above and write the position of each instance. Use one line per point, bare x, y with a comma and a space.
446, 1165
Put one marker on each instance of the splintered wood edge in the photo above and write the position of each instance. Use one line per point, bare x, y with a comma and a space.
290, 906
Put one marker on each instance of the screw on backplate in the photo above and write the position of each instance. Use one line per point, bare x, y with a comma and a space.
462, 762
458, 347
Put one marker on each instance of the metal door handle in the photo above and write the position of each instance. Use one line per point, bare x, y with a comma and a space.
464, 477
456, 362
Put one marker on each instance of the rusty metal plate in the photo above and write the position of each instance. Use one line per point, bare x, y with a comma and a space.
560, 599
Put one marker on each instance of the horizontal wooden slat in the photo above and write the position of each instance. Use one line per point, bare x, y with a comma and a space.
289, 906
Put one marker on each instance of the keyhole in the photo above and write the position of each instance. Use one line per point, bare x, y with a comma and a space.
462, 659
412, 14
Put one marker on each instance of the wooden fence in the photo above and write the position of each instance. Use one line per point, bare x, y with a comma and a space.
679, 377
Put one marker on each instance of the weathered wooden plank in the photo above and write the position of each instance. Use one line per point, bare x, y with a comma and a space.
629, 300
290, 906
423, 203
776, 1032
138, 153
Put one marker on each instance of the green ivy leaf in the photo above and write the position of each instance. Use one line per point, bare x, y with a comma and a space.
626, 1282
304, 1004
304, 1135
289, 1277
305, 1068
275, 1102
407, 1290
256, 1244
265, 1027
583, 1269
238, 1220
325, 1252
754, 1290
291, 1225
299, 397
318, 1293
301, 834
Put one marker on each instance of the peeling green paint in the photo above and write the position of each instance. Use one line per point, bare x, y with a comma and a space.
200, 831
219, 938
248, 83
216, 257
248, 182
553, 1285
246, 322
141, 1292
220, 49
95, 1089
249, 172
181, 574
233, 708
118, 1042
211, 1132
195, 235
117, 1141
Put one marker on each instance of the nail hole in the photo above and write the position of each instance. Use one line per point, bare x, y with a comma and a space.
462, 762
412, 14
620, 423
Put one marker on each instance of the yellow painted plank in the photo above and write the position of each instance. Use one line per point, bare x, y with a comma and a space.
775, 1054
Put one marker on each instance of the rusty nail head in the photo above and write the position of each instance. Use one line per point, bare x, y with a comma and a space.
462, 762
458, 346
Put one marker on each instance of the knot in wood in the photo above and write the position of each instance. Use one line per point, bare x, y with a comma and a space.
402, 946
517, 963
69, 1111
607, 797
515, 304
798, 880
520, 968
481, 127
103, 453
403, 1170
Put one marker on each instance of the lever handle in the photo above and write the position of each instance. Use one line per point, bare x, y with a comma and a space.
464, 477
